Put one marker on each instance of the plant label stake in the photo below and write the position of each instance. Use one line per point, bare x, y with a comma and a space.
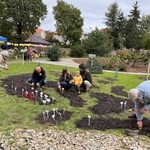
41, 95
15, 90
121, 103
125, 104
36, 95
47, 113
43, 115
53, 116
44, 102
60, 115
46, 96
89, 120
64, 111
48, 100
22, 91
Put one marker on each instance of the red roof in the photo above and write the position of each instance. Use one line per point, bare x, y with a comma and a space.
38, 31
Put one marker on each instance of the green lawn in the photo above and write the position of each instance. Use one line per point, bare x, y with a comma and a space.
19, 113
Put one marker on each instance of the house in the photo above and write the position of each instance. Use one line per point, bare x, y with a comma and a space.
40, 32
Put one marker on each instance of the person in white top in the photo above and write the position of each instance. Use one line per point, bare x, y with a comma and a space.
3, 56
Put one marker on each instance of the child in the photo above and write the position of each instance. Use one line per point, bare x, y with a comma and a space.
77, 81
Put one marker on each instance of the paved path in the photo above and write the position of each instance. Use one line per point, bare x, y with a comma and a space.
63, 62
70, 63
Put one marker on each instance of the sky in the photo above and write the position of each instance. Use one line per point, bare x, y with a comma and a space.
93, 12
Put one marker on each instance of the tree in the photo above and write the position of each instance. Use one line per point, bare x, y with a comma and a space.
145, 28
118, 31
68, 22
112, 15
115, 22
22, 16
132, 31
98, 42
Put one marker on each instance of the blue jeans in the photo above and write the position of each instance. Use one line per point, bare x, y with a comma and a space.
35, 82
66, 85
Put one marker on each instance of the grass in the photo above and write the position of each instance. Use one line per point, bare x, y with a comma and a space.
20, 113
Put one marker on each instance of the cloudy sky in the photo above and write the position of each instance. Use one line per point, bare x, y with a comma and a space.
93, 12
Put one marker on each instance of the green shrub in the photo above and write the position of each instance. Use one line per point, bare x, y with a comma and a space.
113, 62
54, 53
77, 51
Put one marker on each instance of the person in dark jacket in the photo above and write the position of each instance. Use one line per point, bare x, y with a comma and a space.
38, 77
65, 80
86, 76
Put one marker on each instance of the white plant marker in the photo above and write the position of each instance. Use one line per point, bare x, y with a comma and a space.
125, 104
60, 115
48, 100
41, 93
47, 111
53, 116
89, 120
22, 91
46, 96
121, 103
15, 89
64, 111
44, 102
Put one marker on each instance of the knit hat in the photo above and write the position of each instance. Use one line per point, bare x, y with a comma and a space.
133, 94
81, 66
5, 53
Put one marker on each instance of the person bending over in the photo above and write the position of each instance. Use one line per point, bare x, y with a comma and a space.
141, 97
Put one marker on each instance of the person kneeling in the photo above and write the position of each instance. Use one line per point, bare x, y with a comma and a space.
38, 77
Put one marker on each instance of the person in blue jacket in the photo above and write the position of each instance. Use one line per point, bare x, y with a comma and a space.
141, 97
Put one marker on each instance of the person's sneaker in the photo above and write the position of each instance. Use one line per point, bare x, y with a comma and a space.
79, 92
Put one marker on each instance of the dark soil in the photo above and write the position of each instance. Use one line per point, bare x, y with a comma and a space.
105, 107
